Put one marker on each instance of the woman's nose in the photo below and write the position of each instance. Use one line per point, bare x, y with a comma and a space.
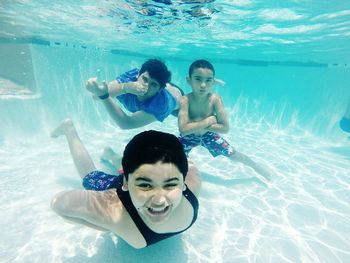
158, 198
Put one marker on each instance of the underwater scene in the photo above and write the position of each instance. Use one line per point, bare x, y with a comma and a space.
286, 72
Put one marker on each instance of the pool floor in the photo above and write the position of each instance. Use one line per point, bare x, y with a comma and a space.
302, 215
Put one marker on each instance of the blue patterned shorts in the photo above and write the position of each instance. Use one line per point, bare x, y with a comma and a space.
214, 143
100, 181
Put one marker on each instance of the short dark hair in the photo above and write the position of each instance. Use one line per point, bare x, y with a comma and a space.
157, 70
201, 63
151, 147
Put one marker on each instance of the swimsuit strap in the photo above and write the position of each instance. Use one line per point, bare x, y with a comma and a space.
149, 235
195, 205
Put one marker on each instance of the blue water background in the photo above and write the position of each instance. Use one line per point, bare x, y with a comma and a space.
311, 98
286, 68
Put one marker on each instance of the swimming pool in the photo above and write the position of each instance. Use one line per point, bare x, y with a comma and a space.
286, 92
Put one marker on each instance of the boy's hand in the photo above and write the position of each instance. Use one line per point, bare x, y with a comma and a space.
98, 90
137, 88
220, 82
212, 120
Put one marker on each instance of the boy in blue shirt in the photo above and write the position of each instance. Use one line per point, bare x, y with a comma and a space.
145, 93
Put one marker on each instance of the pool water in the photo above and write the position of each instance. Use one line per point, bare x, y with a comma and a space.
284, 102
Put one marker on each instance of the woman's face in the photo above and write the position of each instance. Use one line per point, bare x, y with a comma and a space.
156, 191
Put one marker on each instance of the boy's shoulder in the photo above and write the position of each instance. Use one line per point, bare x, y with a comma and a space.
215, 96
211, 96
185, 97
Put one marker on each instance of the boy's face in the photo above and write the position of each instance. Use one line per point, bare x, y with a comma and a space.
156, 191
151, 84
201, 80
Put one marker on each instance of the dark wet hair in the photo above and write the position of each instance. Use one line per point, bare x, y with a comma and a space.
201, 63
157, 70
153, 146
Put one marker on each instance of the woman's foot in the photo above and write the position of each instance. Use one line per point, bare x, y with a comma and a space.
62, 129
109, 155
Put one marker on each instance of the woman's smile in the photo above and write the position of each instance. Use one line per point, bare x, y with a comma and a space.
158, 212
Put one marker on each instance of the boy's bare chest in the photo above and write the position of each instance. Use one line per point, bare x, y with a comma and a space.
200, 109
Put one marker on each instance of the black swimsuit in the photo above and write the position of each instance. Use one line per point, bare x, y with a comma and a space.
149, 235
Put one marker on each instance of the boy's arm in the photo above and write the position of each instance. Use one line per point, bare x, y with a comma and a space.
186, 126
222, 125
127, 121
99, 210
123, 120
116, 88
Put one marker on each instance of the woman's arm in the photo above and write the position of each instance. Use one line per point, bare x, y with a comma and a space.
193, 179
99, 210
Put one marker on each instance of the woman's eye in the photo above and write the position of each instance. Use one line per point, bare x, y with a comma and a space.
145, 186
170, 185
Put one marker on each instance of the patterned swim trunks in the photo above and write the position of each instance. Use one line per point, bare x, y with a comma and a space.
100, 181
214, 143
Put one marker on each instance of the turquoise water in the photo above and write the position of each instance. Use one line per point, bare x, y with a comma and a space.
286, 68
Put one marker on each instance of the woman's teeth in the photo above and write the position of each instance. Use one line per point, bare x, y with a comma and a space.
158, 210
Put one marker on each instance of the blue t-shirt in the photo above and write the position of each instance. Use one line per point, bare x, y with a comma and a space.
160, 105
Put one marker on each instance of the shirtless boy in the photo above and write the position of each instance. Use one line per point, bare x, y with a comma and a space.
202, 117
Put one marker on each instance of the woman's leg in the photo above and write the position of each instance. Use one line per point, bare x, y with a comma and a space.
81, 157
109, 155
